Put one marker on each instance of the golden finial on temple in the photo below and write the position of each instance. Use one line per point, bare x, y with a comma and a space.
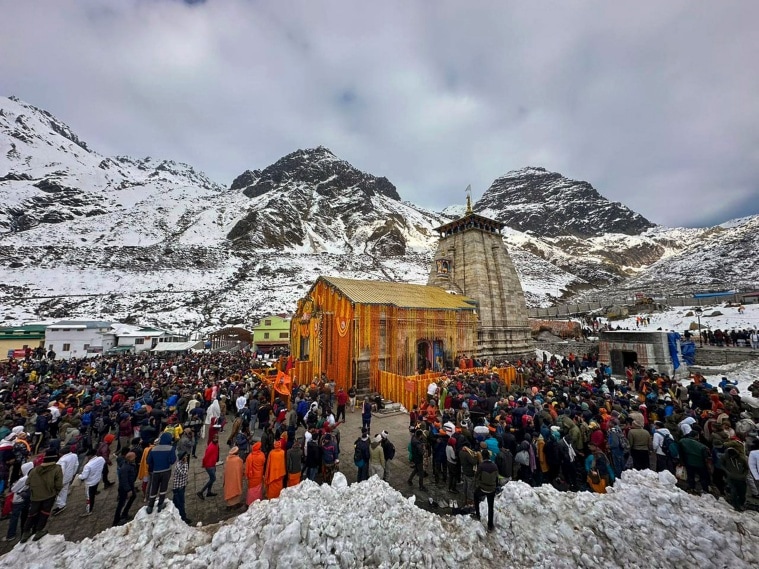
469, 199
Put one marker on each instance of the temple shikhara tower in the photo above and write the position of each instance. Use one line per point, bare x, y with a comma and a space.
472, 260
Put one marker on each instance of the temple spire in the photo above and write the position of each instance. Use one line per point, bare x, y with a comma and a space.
469, 199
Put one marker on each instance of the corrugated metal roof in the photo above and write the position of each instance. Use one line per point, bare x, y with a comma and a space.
399, 294
80, 324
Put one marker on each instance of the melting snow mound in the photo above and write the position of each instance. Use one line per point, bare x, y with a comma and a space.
643, 521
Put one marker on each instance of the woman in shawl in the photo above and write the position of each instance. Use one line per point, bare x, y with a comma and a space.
254, 472
213, 414
275, 471
233, 472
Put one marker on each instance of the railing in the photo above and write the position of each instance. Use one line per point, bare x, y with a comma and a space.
410, 390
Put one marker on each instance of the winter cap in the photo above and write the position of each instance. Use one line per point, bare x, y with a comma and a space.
51, 456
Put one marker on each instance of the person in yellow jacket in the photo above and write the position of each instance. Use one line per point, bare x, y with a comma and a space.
174, 428
142, 474
541, 443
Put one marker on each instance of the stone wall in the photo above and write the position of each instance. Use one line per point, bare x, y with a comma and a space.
563, 348
714, 356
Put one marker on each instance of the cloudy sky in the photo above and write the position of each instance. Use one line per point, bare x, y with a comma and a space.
655, 103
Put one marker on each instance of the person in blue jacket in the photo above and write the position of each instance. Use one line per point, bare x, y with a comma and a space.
160, 460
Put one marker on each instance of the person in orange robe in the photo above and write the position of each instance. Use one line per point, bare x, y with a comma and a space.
254, 472
275, 471
233, 471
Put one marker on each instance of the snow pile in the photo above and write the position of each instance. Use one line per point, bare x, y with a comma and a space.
642, 522
158, 540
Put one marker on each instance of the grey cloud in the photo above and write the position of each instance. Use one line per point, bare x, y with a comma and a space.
653, 104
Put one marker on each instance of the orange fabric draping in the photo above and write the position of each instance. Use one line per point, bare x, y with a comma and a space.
233, 472
254, 466
275, 471
337, 337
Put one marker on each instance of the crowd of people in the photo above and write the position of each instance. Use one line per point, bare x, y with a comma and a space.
136, 421
573, 426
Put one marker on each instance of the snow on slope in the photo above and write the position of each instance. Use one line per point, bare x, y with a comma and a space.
52, 186
371, 525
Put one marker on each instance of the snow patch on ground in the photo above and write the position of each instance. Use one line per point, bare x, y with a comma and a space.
643, 521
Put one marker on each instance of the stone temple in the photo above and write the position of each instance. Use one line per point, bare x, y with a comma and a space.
472, 260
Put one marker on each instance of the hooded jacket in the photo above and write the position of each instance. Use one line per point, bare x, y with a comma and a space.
254, 466
45, 481
21, 485
163, 455
376, 454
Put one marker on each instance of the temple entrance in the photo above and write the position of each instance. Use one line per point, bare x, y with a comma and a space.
424, 356
621, 359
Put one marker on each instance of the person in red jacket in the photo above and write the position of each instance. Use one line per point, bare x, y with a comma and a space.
210, 459
342, 401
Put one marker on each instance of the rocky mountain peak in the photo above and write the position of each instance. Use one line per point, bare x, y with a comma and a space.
27, 121
545, 203
316, 168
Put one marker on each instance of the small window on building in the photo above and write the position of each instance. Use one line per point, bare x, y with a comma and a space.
66, 347
50, 349
267, 322
25, 346
284, 334
139, 341
266, 335
86, 348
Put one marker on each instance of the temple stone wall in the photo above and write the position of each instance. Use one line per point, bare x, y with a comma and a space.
475, 263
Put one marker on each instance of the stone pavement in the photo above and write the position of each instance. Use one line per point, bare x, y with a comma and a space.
213, 510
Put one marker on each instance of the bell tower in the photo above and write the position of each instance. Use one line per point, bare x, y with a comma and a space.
472, 260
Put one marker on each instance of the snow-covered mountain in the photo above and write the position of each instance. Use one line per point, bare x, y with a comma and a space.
547, 204
156, 241
310, 201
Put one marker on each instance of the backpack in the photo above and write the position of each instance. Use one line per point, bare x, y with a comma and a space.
389, 449
99, 424
734, 467
669, 447
328, 454
618, 440
358, 453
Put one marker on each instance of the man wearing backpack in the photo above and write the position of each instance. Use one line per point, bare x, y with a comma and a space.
735, 466
329, 457
663, 444
361, 456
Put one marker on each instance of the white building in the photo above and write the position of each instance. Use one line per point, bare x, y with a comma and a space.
138, 338
79, 338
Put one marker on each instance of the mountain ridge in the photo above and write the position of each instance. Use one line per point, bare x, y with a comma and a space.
130, 233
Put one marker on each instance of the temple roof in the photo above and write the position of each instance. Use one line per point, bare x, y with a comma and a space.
402, 295
471, 221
